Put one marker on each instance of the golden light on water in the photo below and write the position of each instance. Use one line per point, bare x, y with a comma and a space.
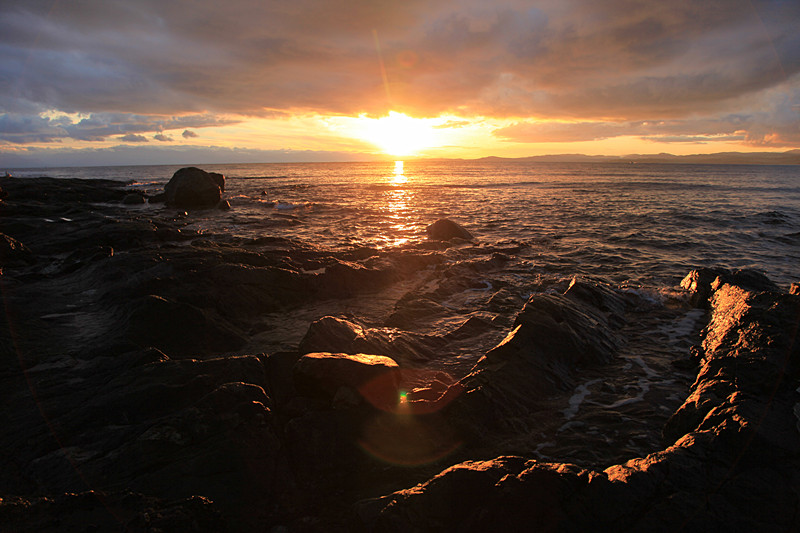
399, 177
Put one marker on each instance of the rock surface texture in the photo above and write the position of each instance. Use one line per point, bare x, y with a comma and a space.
156, 378
731, 462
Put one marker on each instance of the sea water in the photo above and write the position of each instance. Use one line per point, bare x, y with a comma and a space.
632, 224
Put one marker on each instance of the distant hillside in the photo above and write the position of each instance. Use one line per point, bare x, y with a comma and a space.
791, 157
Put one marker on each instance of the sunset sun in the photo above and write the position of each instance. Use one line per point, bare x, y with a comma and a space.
398, 134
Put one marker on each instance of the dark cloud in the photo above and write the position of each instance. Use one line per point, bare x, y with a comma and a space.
129, 64
134, 154
188, 134
163, 138
133, 138
18, 128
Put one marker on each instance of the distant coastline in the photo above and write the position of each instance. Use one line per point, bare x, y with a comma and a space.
791, 157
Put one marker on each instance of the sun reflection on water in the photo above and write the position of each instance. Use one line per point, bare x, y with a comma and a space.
399, 177
397, 209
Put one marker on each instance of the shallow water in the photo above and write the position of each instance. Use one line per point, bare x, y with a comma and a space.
634, 224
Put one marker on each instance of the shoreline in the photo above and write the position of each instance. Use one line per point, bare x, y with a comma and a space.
143, 367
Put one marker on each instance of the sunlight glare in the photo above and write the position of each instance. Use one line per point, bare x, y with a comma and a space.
399, 177
398, 134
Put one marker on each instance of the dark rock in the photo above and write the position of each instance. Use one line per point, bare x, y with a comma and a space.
374, 377
192, 187
133, 198
13, 252
119, 511
159, 198
346, 278
600, 296
731, 463
219, 179
551, 336
348, 335
224, 205
795, 288
180, 329
445, 230
701, 282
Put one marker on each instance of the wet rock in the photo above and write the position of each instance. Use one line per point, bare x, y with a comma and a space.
13, 252
180, 329
224, 205
219, 179
193, 187
795, 288
701, 282
100, 511
731, 460
133, 198
346, 278
348, 335
600, 296
446, 230
551, 336
374, 377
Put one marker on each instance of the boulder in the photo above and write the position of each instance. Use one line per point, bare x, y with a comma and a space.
193, 187
348, 335
446, 230
219, 179
133, 198
323, 374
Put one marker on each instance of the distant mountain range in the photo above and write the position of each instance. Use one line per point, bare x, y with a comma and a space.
791, 157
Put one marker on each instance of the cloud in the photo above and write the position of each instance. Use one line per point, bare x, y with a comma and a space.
163, 138
133, 138
137, 154
18, 128
188, 134
128, 65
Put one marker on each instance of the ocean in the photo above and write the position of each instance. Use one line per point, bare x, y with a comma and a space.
635, 225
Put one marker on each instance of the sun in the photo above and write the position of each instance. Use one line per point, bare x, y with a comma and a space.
398, 134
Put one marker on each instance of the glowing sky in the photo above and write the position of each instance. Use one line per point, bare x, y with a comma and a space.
191, 80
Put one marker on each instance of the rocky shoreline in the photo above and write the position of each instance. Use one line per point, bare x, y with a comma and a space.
159, 379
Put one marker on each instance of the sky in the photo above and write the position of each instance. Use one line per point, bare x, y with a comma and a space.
103, 82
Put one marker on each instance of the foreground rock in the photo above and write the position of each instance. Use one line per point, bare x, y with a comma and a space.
446, 230
731, 463
346, 377
552, 337
193, 187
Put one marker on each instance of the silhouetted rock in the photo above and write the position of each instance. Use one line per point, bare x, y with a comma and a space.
180, 329
445, 230
99, 511
13, 252
133, 198
348, 335
193, 187
374, 377
219, 179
